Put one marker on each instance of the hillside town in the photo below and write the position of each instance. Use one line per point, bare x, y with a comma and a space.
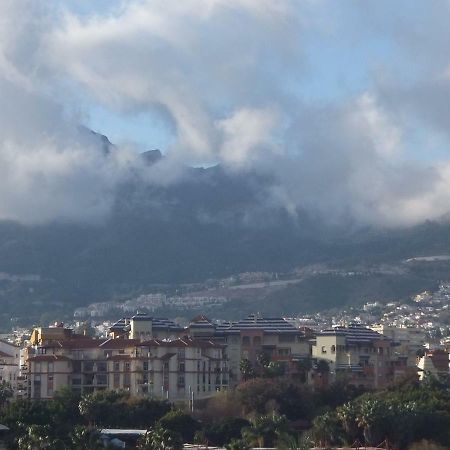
370, 347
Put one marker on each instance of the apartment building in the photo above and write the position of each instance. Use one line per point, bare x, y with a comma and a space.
407, 344
275, 337
172, 369
434, 363
143, 326
10, 365
356, 353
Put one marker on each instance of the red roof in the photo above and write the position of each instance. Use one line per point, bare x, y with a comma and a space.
77, 343
119, 343
180, 342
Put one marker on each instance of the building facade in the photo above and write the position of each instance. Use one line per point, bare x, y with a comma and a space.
169, 369
357, 354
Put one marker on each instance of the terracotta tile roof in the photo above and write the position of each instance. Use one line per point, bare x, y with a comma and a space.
180, 342
119, 343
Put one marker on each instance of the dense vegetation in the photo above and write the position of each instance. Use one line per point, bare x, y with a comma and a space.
261, 412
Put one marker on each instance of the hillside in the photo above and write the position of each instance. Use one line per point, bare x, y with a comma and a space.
210, 224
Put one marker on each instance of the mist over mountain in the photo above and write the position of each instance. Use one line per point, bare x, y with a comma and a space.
322, 130
209, 224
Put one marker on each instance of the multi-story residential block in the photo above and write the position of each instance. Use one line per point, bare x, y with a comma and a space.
408, 343
275, 337
434, 363
10, 365
357, 353
143, 326
173, 369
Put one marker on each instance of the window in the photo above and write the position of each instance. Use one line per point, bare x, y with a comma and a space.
284, 351
37, 386
181, 381
116, 380
38, 367
102, 379
127, 366
145, 365
76, 366
246, 341
50, 367
324, 349
116, 366
88, 366
333, 349
101, 366
88, 379
181, 353
126, 380
181, 367
50, 385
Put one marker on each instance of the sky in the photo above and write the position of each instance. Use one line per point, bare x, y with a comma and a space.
345, 104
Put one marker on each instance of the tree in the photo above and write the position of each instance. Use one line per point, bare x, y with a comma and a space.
224, 431
347, 414
84, 438
261, 395
246, 369
37, 437
372, 417
265, 429
326, 430
160, 439
6, 392
180, 423
274, 369
98, 407
263, 359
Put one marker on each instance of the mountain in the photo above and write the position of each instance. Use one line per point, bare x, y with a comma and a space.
209, 224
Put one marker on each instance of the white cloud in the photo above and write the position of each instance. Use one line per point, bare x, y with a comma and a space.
228, 74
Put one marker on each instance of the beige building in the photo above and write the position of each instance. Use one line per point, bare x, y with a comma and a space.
408, 341
356, 353
169, 369
276, 337
434, 363
10, 365
143, 326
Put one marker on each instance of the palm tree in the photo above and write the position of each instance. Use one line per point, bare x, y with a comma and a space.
288, 441
347, 414
264, 430
326, 429
83, 438
37, 437
160, 439
372, 413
